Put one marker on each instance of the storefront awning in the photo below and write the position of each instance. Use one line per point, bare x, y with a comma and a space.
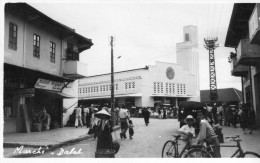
59, 94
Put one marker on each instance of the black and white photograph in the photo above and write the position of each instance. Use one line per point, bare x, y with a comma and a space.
130, 79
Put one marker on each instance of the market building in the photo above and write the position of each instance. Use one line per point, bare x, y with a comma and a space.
226, 96
41, 67
162, 83
244, 36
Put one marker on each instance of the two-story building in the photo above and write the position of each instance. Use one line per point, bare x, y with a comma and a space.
41, 67
244, 36
162, 83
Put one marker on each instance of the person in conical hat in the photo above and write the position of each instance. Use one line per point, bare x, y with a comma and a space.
103, 114
105, 140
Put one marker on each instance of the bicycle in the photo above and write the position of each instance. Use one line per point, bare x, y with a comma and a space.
171, 149
239, 153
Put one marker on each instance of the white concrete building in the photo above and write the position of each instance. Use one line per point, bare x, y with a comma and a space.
145, 87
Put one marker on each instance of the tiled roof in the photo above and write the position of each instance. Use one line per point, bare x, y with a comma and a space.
224, 95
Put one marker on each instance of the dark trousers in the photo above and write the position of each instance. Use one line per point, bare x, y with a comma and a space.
88, 121
216, 146
124, 126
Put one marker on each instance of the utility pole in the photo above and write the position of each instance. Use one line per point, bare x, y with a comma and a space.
112, 81
211, 46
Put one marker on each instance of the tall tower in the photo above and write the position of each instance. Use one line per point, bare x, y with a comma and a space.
211, 46
187, 55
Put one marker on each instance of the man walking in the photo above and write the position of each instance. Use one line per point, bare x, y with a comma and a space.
78, 117
123, 115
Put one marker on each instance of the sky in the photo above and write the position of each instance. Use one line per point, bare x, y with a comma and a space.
146, 32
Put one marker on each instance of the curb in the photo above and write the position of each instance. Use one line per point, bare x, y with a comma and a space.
48, 148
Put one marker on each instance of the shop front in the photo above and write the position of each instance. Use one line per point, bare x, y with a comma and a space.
27, 92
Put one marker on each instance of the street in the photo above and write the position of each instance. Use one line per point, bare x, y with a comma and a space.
148, 141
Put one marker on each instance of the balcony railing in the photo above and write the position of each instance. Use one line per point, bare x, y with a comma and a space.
75, 69
254, 26
248, 54
238, 70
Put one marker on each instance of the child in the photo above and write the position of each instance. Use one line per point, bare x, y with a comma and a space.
131, 129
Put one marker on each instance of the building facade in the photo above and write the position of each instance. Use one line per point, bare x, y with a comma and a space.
162, 83
41, 67
243, 36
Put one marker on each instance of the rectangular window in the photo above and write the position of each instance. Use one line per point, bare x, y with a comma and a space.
133, 84
12, 36
161, 87
154, 87
52, 51
36, 46
116, 86
187, 37
126, 85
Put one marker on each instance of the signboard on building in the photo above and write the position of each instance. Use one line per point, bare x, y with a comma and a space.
48, 85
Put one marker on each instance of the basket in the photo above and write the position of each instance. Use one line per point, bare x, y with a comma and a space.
105, 153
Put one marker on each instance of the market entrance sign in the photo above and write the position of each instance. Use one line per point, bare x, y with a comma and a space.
48, 85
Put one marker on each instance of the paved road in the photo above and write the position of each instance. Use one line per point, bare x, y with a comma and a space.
149, 140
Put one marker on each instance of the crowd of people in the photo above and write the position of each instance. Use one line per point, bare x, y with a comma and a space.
98, 120
231, 116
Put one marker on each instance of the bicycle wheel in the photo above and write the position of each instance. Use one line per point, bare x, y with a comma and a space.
169, 149
251, 155
197, 153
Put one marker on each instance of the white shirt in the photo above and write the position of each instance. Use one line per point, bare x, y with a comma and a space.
86, 110
186, 129
123, 113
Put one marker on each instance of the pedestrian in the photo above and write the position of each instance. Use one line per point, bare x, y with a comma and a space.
140, 112
251, 122
105, 129
94, 122
146, 115
131, 129
227, 116
244, 120
164, 113
86, 116
220, 114
46, 119
187, 130
123, 115
214, 112
78, 117
159, 113
234, 118
207, 134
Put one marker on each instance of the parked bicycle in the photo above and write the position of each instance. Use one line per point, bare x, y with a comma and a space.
239, 153
171, 149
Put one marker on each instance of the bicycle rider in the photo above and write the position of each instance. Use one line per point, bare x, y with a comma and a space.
187, 130
207, 134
